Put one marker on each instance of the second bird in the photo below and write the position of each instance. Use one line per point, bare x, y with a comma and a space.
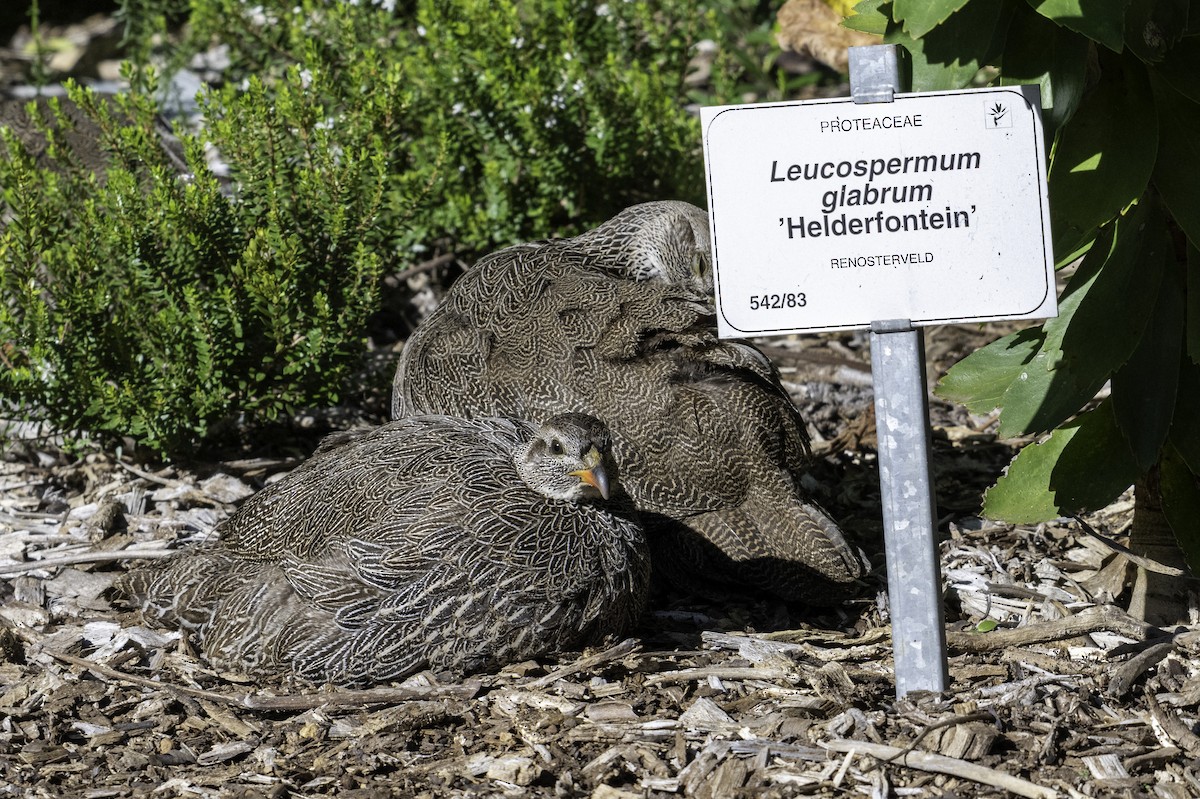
430, 542
619, 323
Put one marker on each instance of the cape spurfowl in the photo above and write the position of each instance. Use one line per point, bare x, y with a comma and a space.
619, 323
429, 542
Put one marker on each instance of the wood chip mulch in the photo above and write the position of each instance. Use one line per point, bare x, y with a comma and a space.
1067, 696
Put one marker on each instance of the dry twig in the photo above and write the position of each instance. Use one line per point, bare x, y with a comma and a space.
285, 702
1148, 564
1096, 619
91, 556
721, 672
1173, 727
615, 652
940, 764
1124, 676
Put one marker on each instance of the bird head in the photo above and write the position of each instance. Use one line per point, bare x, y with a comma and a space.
569, 458
672, 245
665, 241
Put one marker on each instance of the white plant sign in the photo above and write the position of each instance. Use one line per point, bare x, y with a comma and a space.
827, 215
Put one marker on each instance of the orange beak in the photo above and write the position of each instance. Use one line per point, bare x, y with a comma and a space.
594, 475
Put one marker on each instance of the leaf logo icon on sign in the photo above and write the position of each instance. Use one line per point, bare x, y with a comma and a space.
998, 116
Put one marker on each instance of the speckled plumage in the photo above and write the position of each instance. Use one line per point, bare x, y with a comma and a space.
619, 323
415, 545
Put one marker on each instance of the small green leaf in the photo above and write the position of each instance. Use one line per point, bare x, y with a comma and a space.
1179, 158
979, 380
1104, 155
1083, 465
1180, 487
869, 17
1101, 22
921, 16
1144, 389
1038, 51
986, 626
950, 55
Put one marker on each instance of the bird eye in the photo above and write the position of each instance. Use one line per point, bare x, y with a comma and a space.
556, 448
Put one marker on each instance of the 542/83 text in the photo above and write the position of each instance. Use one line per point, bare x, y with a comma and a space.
774, 301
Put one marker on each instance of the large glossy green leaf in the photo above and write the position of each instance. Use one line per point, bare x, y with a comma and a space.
1100, 320
921, 16
979, 380
1178, 167
1193, 303
1152, 27
1083, 465
1185, 427
1181, 504
1102, 21
950, 55
1055, 58
1144, 389
1181, 66
1104, 155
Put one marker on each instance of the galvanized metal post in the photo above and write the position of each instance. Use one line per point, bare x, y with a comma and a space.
902, 427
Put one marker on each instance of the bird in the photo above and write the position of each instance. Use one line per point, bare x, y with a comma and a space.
430, 542
619, 322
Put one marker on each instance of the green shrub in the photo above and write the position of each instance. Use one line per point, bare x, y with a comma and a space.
528, 118
138, 304
143, 303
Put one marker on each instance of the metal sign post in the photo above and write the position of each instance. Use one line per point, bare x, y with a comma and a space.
885, 211
902, 427
913, 565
